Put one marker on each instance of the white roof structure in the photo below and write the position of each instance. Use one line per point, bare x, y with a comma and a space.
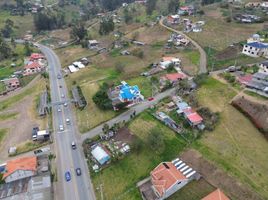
100, 155
93, 42
42, 133
72, 68
79, 65
165, 64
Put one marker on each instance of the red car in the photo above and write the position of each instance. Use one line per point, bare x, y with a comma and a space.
150, 99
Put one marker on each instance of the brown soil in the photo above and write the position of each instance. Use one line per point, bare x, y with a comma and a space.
20, 129
217, 177
229, 52
124, 135
255, 111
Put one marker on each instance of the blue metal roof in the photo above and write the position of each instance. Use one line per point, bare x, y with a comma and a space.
129, 92
257, 45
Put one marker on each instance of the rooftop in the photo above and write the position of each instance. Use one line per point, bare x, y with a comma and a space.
257, 45
216, 195
32, 65
175, 76
194, 117
24, 163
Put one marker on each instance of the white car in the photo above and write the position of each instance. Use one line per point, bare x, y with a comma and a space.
68, 121
61, 128
65, 104
59, 110
62, 96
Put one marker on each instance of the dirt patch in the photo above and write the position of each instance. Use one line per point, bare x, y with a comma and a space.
61, 34
217, 177
124, 135
256, 112
229, 53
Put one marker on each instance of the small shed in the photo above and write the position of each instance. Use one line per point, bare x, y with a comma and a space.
100, 155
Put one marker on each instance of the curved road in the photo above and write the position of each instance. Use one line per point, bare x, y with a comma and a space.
67, 159
203, 55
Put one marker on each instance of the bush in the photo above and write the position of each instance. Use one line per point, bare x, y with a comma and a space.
210, 118
101, 98
138, 53
155, 140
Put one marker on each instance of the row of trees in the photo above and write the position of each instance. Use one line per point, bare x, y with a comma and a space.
49, 20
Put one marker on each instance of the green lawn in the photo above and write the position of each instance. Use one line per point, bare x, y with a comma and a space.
125, 173
195, 190
254, 94
2, 87
8, 116
193, 56
235, 145
144, 85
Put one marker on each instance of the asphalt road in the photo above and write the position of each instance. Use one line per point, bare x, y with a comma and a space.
67, 159
203, 55
126, 115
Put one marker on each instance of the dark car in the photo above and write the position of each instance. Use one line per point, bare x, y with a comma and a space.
34, 133
78, 171
67, 176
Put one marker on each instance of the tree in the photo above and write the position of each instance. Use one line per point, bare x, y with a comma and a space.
106, 26
5, 50
137, 145
27, 49
127, 16
101, 98
155, 140
150, 6
79, 31
8, 28
105, 128
120, 67
173, 6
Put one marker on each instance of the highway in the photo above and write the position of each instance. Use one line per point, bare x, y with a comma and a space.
67, 159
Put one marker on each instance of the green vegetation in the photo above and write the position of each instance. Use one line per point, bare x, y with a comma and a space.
28, 146
254, 94
8, 116
193, 56
144, 85
137, 165
195, 190
2, 87
101, 98
235, 144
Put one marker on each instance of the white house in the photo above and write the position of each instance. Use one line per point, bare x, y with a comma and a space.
20, 168
255, 49
263, 67
169, 177
254, 38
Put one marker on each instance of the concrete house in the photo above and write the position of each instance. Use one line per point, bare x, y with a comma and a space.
173, 19
263, 67
11, 83
20, 168
255, 49
259, 82
32, 68
169, 177
36, 57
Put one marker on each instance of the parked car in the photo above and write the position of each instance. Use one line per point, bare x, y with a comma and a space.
59, 76
59, 109
67, 176
34, 133
62, 96
65, 104
60, 86
73, 145
150, 99
78, 171
68, 121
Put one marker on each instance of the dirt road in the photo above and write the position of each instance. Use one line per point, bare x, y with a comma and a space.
203, 55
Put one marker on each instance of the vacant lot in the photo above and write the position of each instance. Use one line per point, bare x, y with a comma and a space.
235, 145
18, 116
257, 112
136, 166
219, 34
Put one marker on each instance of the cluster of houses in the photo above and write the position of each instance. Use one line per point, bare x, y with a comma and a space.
34, 64
77, 65
247, 18
168, 178
125, 94
261, 5
26, 178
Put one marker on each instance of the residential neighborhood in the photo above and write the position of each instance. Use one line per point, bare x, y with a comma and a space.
127, 99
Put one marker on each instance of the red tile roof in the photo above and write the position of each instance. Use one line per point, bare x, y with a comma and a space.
245, 79
12, 81
195, 118
25, 163
164, 176
36, 56
188, 111
216, 195
175, 76
32, 65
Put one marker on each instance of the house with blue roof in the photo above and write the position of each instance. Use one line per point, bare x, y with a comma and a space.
125, 93
255, 49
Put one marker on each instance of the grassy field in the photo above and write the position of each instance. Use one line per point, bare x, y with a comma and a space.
91, 115
219, 34
8, 116
28, 146
235, 145
3, 133
21, 24
195, 190
136, 166
253, 94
